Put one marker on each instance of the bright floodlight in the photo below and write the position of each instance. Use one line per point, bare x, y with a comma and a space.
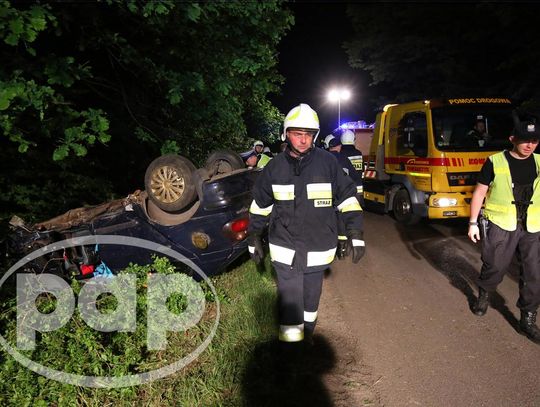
344, 94
333, 95
337, 95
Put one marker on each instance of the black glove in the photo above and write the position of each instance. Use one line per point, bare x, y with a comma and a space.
358, 246
255, 248
342, 249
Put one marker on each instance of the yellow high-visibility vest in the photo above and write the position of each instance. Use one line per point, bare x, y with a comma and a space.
499, 208
263, 160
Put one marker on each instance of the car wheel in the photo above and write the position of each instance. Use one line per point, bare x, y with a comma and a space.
169, 182
223, 162
167, 218
402, 208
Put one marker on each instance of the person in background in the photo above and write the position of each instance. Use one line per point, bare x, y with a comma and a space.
349, 150
264, 157
258, 147
510, 183
251, 157
297, 196
478, 134
333, 145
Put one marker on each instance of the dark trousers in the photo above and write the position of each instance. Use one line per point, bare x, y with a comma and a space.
498, 250
298, 291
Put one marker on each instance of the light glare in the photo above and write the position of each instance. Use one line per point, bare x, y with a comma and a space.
336, 95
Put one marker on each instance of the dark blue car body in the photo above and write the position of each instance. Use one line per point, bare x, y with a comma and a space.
222, 201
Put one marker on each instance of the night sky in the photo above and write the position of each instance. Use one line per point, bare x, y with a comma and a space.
312, 60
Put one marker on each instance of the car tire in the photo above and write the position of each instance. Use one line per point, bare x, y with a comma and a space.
167, 218
402, 208
170, 183
223, 162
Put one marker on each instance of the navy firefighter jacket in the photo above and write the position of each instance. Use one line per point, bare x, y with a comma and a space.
298, 199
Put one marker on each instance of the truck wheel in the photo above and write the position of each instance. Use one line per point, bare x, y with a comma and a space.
402, 208
169, 182
223, 162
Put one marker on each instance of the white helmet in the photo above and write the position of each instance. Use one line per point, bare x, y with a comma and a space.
347, 138
302, 117
258, 143
327, 140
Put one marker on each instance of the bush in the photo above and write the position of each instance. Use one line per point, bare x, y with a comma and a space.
247, 300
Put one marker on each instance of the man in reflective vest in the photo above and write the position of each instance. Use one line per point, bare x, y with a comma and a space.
297, 196
510, 182
264, 157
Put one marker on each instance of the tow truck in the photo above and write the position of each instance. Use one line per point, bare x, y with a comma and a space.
425, 155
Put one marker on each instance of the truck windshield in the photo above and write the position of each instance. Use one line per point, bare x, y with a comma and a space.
472, 128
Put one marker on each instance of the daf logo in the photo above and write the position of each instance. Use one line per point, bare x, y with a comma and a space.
458, 177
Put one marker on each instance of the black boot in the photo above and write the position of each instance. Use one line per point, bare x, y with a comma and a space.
481, 305
528, 327
309, 327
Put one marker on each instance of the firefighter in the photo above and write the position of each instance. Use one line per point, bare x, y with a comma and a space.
510, 181
333, 145
258, 147
349, 150
297, 195
252, 156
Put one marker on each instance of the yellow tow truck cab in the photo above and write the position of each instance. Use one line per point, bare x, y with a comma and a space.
424, 156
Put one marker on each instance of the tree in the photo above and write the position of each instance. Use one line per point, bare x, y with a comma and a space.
90, 93
417, 51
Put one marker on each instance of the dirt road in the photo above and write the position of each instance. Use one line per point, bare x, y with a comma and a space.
403, 331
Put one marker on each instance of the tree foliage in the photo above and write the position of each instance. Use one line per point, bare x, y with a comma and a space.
417, 51
95, 91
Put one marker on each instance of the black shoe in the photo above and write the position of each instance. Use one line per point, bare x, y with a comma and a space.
528, 327
481, 305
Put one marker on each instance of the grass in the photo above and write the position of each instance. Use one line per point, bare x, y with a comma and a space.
214, 379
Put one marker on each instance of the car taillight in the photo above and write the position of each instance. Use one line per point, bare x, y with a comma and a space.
237, 229
240, 225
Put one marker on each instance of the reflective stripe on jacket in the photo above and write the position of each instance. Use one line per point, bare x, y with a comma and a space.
298, 199
499, 208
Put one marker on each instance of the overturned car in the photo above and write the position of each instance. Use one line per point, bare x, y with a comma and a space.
200, 213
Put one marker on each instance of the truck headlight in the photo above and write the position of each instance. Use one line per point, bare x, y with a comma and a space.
444, 202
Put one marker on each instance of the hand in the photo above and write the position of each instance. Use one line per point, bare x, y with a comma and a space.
342, 249
357, 253
358, 245
474, 233
255, 248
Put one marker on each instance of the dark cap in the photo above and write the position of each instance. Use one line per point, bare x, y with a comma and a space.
526, 126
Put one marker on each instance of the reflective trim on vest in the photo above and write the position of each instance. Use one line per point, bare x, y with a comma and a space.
321, 190
291, 333
320, 258
281, 254
310, 316
283, 192
359, 189
257, 210
356, 161
349, 204
341, 237
358, 242
499, 208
